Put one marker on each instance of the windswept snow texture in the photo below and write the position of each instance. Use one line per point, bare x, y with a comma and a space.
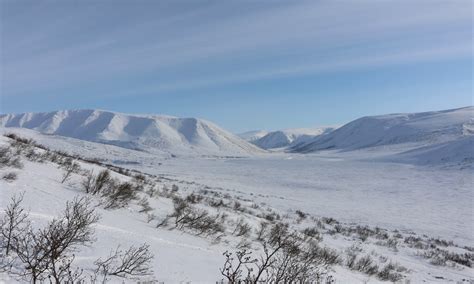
445, 134
150, 133
283, 138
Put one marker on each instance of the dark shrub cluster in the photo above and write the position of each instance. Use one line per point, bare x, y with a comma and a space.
11, 176
242, 229
441, 257
9, 158
391, 272
198, 221
117, 194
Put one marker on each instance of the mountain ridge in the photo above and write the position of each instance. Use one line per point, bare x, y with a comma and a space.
140, 131
287, 137
398, 128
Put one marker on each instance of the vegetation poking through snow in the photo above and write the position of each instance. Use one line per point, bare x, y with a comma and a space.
285, 257
267, 249
134, 261
37, 254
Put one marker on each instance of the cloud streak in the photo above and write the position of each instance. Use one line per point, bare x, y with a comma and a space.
179, 45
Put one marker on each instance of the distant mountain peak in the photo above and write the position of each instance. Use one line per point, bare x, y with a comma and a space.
286, 137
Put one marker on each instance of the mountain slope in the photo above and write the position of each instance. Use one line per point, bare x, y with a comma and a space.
253, 135
426, 128
143, 132
283, 138
459, 152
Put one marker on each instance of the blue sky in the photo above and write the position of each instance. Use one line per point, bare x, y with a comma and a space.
242, 64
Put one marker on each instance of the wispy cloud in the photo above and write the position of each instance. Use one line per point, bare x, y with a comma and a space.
179, 45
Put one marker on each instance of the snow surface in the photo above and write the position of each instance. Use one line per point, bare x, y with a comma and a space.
353, 187
178, 136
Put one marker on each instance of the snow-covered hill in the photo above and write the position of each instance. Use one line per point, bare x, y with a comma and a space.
284, 138
253, 135
414, 129
144, 132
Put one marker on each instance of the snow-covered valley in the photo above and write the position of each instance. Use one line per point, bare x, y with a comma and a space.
379, 201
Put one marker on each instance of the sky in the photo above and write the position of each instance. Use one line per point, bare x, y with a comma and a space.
242, 64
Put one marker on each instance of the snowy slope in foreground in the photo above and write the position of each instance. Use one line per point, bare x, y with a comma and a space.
181, 256
283, 138
419, 129
144, 132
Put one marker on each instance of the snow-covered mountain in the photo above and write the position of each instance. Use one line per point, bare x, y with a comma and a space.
417, 129
143, 132
284, 138
253, 135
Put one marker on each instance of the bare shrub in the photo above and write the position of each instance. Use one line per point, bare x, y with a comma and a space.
415, 242
89, 182
151, 191
364, 264
381, 234
441, 242
19, 139
390, 273
140, 178
194, 198
351, 259
119, 195
242, 229
392, 243
69, 167
301, 215
286, 258
196, 220
64, 234
440, 257
174, 188
313, 233
135, 261
13, 224
11, 176
144, 205
48, 250
329, 221
101, 181
271, 217
9, 159
215, 202
150, 217
262, 230
237, 206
